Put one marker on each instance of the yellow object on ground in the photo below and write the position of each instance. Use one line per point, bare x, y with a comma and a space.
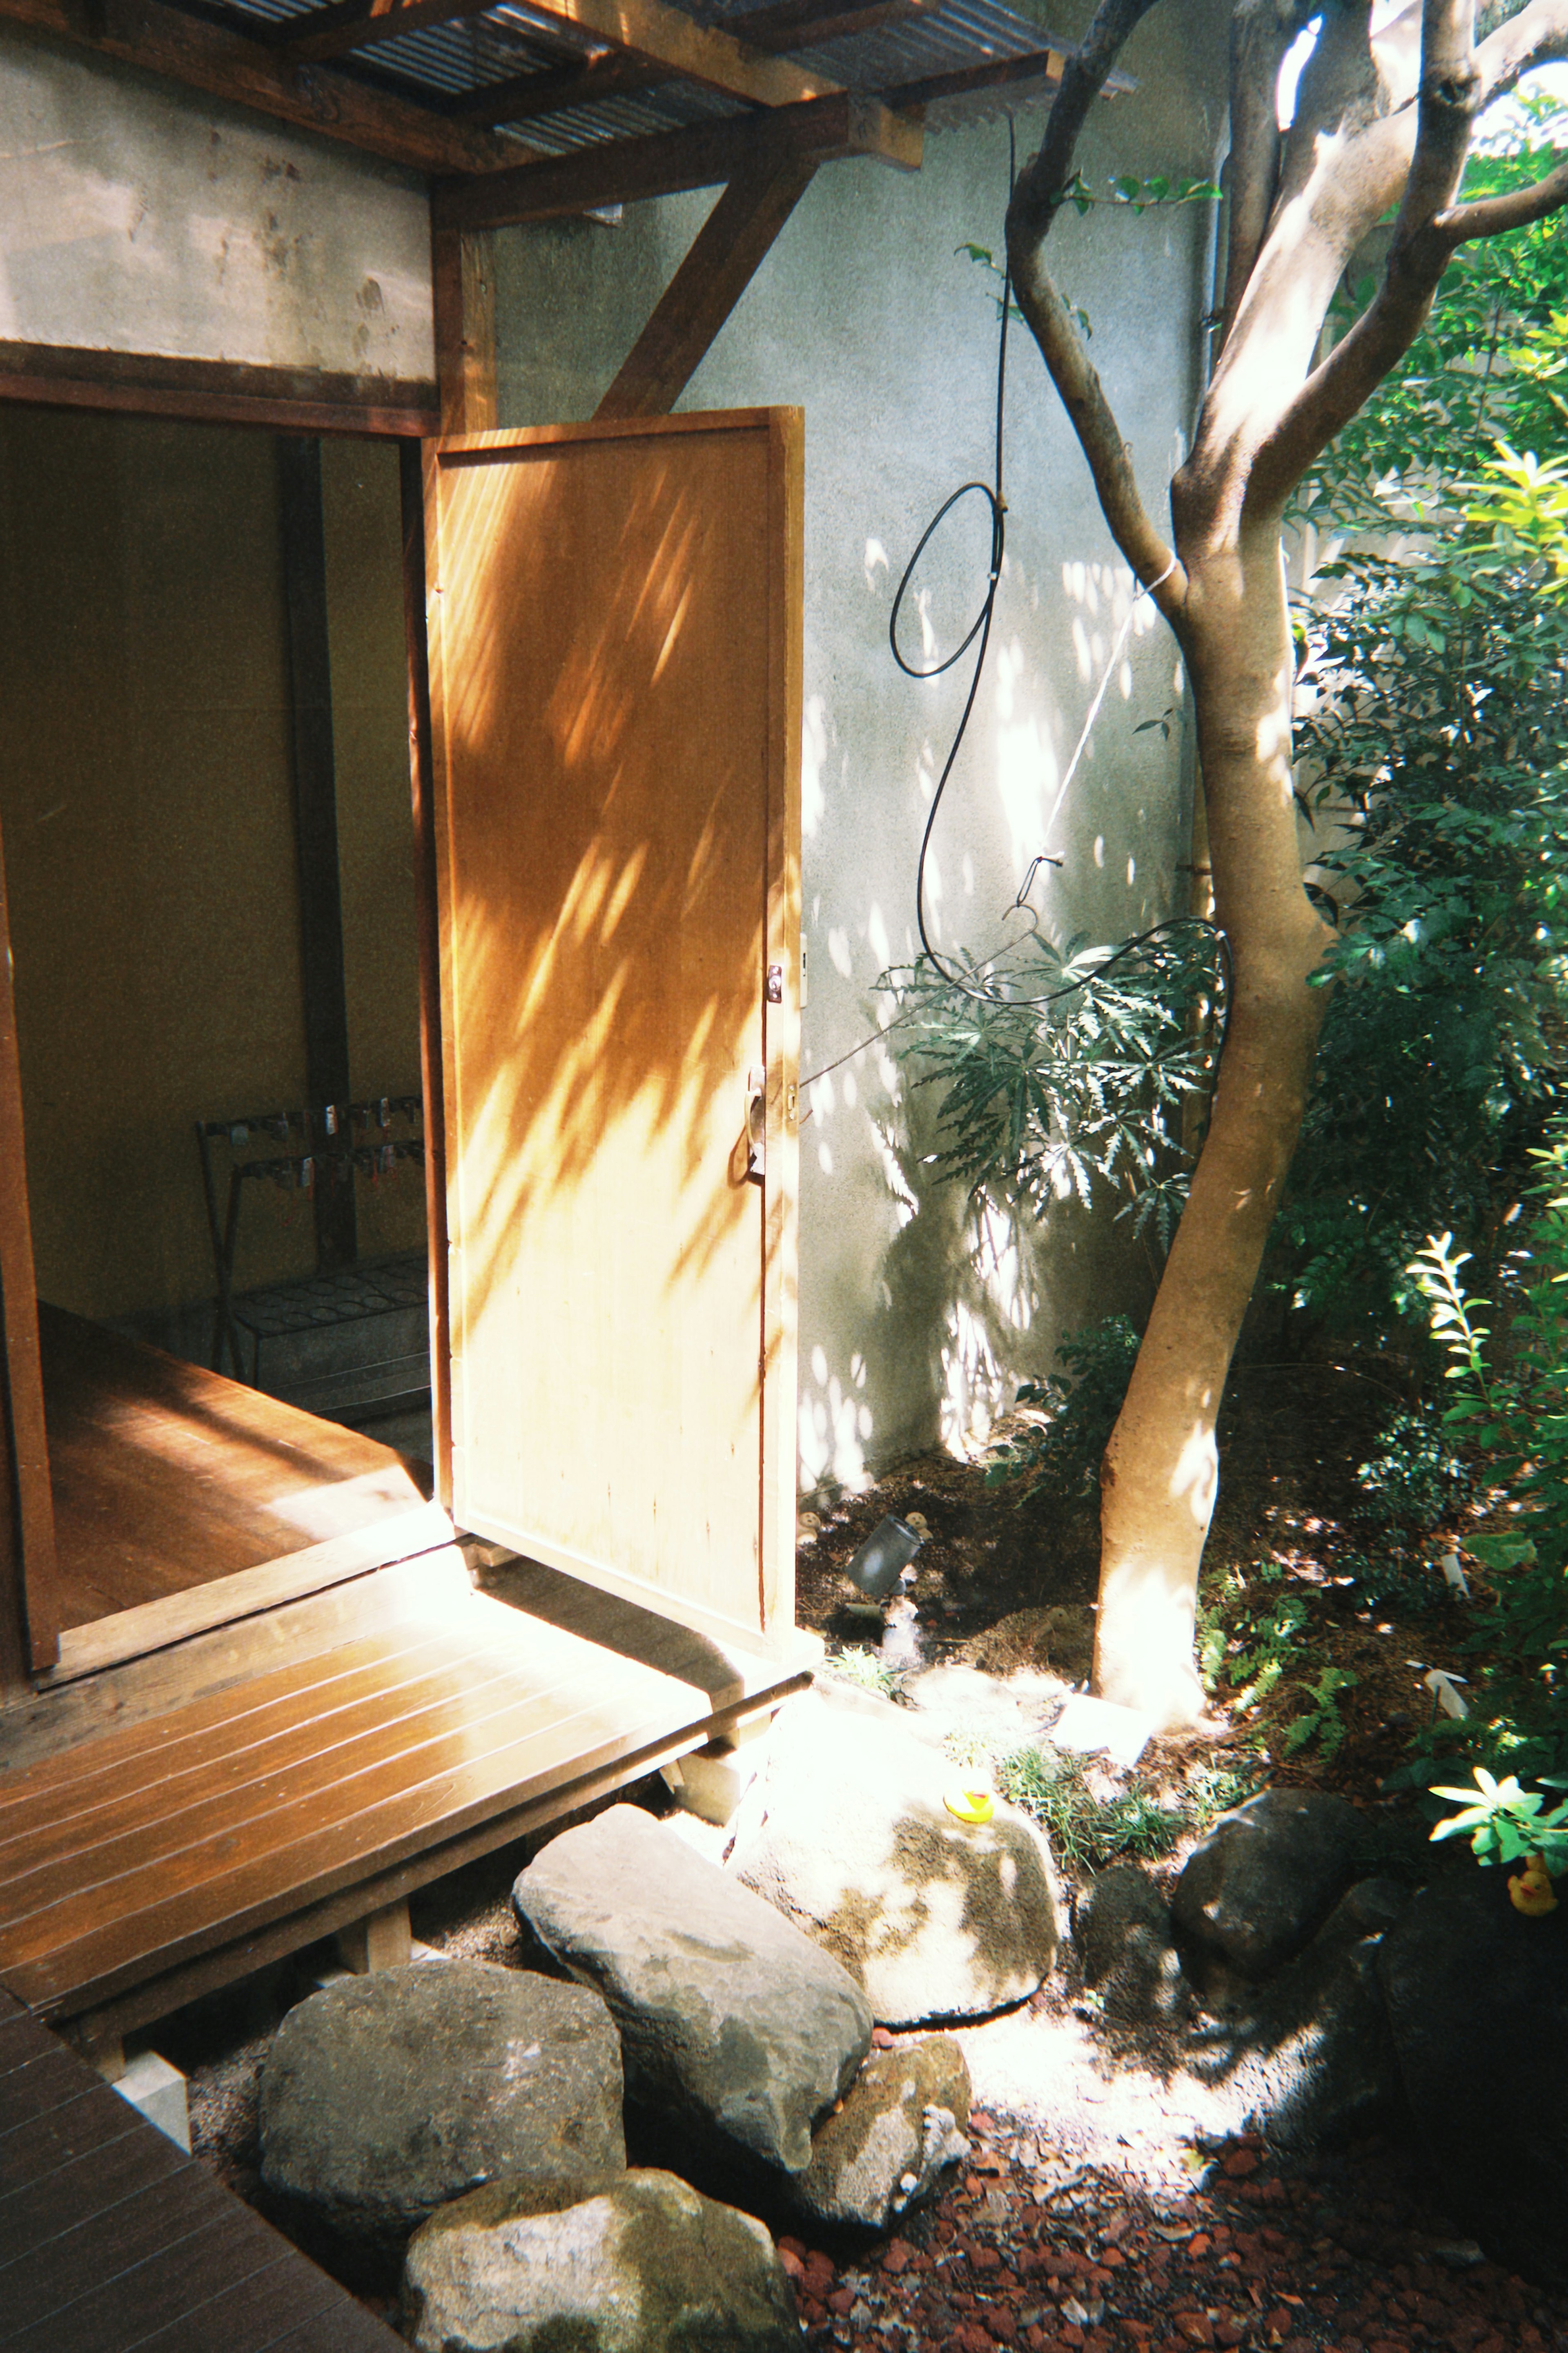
972, 1801
1530, 1891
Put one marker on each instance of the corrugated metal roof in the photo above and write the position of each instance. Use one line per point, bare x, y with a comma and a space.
453, 60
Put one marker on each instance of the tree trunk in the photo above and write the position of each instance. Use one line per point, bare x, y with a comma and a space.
1159, 1477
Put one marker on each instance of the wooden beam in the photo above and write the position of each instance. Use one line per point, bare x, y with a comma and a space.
225, 392
426, 906
321, 984
663, 35
463, 275
995, 73
622, 170
788, 24
247, 72
728, 249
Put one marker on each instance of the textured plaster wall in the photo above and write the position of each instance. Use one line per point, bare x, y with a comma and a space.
864, 315
138, 216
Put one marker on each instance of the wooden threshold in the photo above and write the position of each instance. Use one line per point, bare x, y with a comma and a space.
224, 1601
112, 2236
151, 1863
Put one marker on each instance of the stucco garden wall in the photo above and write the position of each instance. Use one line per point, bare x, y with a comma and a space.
864, 315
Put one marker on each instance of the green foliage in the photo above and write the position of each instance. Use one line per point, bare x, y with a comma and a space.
1414, 1480
1436, 751
1252, 1636
856, 1664
1068, 1072
1504, 1823
1059, 1454
1087, 1832
1319, 1719
1511, 1404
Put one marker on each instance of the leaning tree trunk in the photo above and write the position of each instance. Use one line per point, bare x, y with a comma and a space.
1382, 121
1160, 1471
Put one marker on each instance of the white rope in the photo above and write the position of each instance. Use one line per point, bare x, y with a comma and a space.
1116, 653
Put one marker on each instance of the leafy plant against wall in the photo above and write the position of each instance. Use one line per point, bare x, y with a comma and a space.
1434, 768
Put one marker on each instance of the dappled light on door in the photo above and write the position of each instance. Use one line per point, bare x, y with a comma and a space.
603, 641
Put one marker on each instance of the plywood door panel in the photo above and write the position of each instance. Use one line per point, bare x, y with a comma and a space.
616, 691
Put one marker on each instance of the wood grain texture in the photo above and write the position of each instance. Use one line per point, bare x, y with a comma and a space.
29, 1598
225, 392
623, 171
735, 239
463, 281
166, 1476
112, 2236
243, 1814
613, 728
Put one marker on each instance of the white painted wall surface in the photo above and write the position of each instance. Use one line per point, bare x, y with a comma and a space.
864, 315
139, 216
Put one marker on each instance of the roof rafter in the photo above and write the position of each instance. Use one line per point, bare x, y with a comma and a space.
229, 64
660, 35
788, 25
622, 170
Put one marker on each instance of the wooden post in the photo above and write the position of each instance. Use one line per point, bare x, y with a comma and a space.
464, 287
382, 1941
432, 1066
316, 828
733, 241
30, 1597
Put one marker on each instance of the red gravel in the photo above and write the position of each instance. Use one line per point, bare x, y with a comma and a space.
1286, 2258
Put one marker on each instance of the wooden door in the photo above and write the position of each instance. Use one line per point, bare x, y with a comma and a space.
615, 622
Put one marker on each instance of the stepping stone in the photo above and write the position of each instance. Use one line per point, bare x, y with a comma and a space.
726, 2011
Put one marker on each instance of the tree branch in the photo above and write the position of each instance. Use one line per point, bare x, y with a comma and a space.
1036, 199
1536, 36
1449, 99
1492, 215
1259, 35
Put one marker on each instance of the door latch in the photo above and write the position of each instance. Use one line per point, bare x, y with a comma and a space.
756, 1125
774, 987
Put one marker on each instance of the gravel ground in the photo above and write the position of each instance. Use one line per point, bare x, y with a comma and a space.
1033, 2248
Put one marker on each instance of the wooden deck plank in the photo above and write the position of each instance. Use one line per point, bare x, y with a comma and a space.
145, 1752
297, 2298
375, 1704
102, 1959
166, 1476
75, 2192
129, 2244
288, 1846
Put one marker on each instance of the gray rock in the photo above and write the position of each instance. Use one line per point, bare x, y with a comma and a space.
726, 2011
1307, 2057
901, 2126
934, 1917
1261, 1885
1122, 1932
386, 2096
644, 2266
1478, 2002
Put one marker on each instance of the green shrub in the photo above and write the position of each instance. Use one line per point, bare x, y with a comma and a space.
1059, 1454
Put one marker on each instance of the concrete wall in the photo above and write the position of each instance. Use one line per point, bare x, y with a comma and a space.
146, 810
139, 216
864, 315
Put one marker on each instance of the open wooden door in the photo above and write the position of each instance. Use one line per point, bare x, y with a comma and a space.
615, 623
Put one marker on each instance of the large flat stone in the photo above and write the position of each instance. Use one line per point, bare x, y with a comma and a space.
935, 1917
384, 2096
725, 2011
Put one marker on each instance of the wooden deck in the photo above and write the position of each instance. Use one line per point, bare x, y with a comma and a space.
112, 2237
146, 1865
169, 1482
